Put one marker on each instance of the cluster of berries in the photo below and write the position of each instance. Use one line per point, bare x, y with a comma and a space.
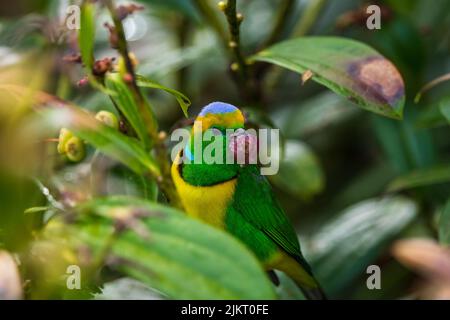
73, 147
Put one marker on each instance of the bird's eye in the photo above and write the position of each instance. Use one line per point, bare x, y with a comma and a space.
216, 132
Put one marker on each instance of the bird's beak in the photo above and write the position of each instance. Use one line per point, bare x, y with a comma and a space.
244, 147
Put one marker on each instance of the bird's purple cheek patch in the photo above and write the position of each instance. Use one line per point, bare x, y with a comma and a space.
244, 147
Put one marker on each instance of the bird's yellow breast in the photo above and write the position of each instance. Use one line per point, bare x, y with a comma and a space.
208, 203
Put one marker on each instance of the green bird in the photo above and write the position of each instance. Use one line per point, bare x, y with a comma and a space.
236, 197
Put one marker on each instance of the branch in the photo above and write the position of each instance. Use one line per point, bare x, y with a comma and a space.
144, 109
164, 181
234, 20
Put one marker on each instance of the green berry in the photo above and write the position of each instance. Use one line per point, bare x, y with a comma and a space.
108, 118
75, 149
64, 136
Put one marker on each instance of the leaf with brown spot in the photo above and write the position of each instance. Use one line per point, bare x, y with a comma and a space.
347, 67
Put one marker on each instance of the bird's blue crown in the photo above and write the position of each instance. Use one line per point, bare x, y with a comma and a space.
218, 108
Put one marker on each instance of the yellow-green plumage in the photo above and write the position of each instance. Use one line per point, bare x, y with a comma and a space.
239, 200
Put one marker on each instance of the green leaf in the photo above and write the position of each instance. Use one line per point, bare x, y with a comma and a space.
444, 107
36, 210
127, 289
182, 100
421, 178
435, 115
172, 253
86, 34
444, 225
300, 172
120, 147
345, 66
345, 246
86, 41
127, 105
430, 117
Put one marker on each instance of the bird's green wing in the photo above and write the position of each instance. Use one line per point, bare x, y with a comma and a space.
255, 201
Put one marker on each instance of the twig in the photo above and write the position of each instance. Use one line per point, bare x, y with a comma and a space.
234, 20
430, 85
240, 70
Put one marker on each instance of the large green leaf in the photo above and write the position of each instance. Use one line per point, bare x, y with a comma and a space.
172, 253
300, 172
345, 246
126, 103
182, 100
347, 67
444, 224
420, 178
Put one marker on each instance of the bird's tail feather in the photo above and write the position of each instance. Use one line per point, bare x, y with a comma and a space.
299, 270
306, 282
313, 293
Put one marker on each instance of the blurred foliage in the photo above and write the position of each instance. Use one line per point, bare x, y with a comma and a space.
356, 183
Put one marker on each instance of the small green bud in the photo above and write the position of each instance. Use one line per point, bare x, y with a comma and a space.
222, 5
232, 44
64, 136
75, 149
239, 17
234, 66
108, 118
